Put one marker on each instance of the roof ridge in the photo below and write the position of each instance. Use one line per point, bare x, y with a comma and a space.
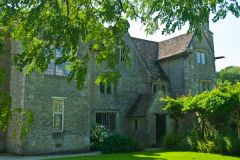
177, 37
145, 39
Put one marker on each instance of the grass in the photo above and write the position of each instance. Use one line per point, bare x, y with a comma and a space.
157, 155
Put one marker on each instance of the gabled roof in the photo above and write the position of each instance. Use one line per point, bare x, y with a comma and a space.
140, 107
149, 52
174, 46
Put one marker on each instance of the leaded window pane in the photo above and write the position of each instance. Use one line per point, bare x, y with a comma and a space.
198, 58
203, 58
58, 122
58, 105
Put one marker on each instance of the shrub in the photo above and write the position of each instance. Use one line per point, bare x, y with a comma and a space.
118, 144
231, 145
176, 141
207, 147
97, 136
192, 139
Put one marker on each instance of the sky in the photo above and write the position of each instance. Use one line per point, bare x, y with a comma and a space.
226, 39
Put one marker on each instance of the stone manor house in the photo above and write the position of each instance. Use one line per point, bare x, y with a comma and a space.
64, 115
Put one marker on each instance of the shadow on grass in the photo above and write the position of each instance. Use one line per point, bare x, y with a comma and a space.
154, 155
148, 155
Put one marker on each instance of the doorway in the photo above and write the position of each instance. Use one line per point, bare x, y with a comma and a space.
160, 127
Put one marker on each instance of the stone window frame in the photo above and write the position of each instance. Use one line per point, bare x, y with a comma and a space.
56, 70
156, 86
61, 113
201, 57
204, 85
106, 119
104, 88
120, 51
122, 57
136, 124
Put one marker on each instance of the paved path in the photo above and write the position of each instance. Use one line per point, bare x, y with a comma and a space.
4, 156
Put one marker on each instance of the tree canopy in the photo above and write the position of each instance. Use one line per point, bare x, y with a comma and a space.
215, 108
230, 74
44, 26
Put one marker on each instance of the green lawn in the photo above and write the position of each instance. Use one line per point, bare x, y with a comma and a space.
161, 155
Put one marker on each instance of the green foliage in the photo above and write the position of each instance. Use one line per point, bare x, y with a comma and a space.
98, 134
230, 74
214, 109
173, 106
192, 138
218, 113
207, 147
118, 144
174, 14
5, 112
176, 141
21, 117
2, 75
44, 26
231, 145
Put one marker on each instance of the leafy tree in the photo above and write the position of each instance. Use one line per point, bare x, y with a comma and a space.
235, 105
174, 108
44, 26
214, 109
231, 74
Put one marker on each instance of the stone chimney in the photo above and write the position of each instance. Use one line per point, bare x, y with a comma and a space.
208, 33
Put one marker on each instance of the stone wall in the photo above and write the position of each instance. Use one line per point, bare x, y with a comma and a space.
201, 72
35, 93
174, 69
185, 74
135, 80
156, 108
17, 90
39, 92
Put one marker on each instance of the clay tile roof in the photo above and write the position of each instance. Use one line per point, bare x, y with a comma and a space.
149, 52
140, 107
174, 46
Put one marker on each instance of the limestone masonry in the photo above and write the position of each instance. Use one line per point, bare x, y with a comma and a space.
130, 106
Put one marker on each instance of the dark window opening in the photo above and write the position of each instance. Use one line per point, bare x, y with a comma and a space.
154, 88
107, 119
109, 89
106, 88
136, 124
122, 56
102, 88
164, 90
